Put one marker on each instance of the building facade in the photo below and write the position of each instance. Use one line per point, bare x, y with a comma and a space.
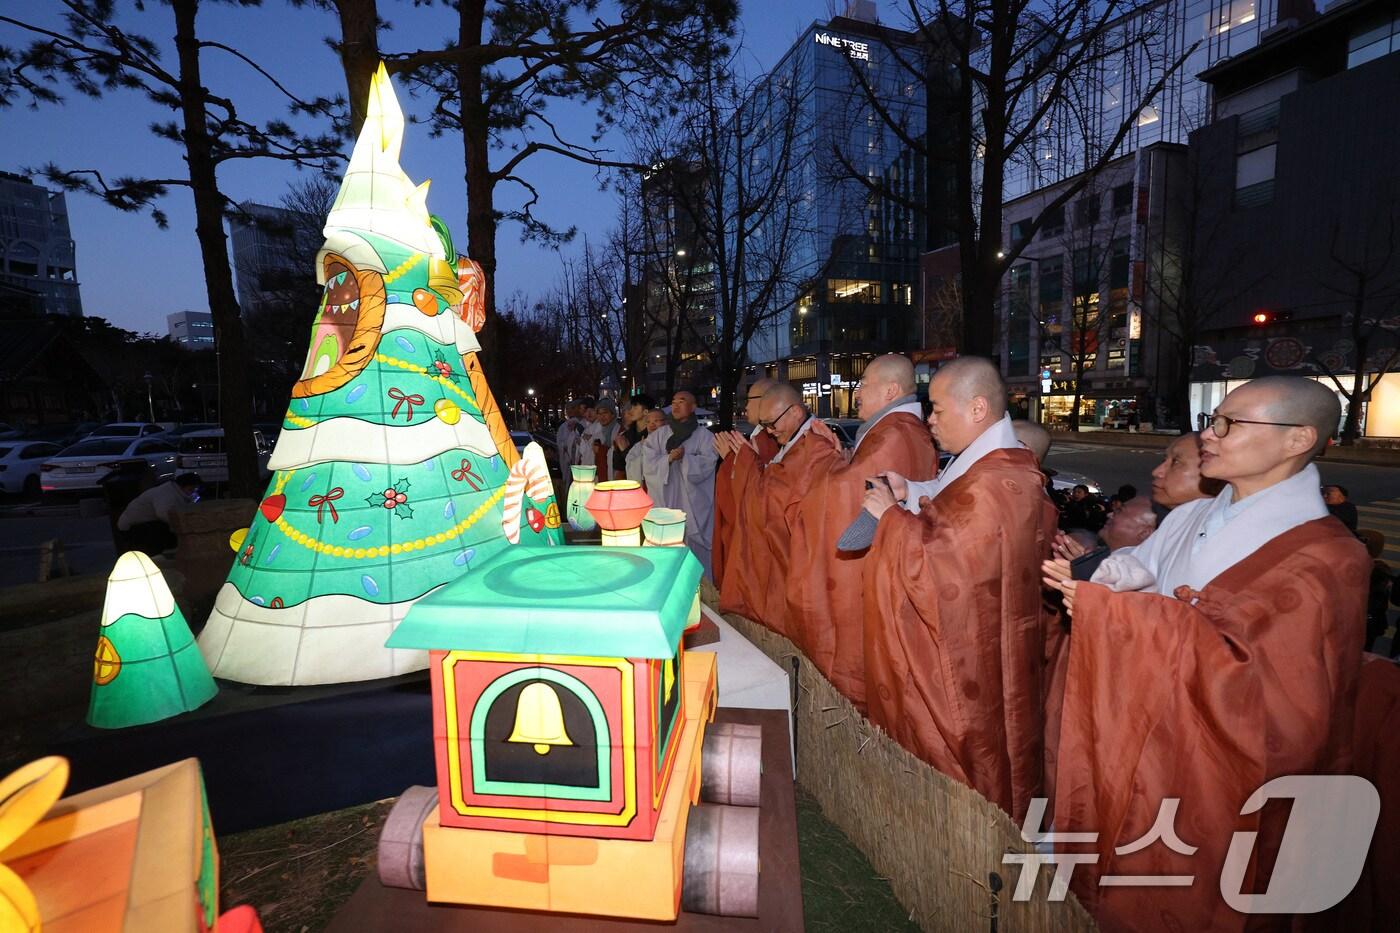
1088, 329
855, 266
38, 264
1299, 190
274, 253
193, 330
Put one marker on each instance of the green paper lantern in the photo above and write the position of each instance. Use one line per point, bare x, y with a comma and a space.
147, 666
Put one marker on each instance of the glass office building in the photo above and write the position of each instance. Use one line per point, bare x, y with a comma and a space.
850, 291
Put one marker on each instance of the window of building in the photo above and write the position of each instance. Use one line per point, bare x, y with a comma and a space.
1020, 230
1123, 200
1053, 222
1086, 209
862, 291
1254, 176
1369, 42
1118, 264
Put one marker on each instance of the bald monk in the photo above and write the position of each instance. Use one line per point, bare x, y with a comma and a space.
1033, 437
726, 446
756, 564
1217, 655
1177, 480
954, 640
824, 589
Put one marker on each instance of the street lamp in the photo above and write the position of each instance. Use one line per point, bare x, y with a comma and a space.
150, 405
680, 252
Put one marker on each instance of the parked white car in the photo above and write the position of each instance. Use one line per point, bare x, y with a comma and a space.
128, 429
80, 467
19, 465
203, 452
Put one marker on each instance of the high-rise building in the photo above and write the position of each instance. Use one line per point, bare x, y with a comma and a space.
849, 294
1297, 215
273, 252
193, 330
1081, 310
38, 270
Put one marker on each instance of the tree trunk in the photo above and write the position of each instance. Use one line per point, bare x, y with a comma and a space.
359, 54
235, 399
1351, 427
476, 146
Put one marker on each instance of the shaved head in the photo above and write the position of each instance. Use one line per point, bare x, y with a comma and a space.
1302, 401
781, 395
971, 377
1033, 437
891, 368
1266, 431
782, 412
761, 385
753, 398
886, 380
967, 398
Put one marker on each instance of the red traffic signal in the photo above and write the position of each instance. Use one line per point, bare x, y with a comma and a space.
1262, 317
1271, 317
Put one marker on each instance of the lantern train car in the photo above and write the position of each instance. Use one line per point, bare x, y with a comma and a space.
569, 723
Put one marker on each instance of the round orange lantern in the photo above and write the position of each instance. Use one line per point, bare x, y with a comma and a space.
619, 507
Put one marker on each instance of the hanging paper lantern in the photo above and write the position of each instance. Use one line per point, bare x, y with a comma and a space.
619, 506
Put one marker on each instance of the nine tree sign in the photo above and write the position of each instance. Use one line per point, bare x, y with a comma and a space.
860, 51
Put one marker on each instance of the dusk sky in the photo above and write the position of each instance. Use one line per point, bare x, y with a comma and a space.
134, 274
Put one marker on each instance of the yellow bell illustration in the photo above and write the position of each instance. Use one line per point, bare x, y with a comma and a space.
539, 720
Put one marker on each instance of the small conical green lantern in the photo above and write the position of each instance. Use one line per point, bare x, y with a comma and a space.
147, 666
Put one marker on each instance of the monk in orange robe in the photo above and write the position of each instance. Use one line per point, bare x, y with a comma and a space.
756, 566
726, 509
954, 638
825, 593
1221, 653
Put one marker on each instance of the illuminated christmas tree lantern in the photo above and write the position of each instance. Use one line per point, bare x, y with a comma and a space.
135, 855
664, 527
147, 666
568, 722
619, 506
391, 471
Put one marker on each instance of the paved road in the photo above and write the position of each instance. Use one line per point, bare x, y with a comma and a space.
87, 541
1114, 466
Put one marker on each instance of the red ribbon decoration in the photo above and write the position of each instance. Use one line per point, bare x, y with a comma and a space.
321, 502
466, 475
400, 399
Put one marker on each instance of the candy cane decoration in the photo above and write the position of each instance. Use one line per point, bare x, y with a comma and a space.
528, 476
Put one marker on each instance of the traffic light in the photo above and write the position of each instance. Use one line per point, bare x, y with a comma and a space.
1270, 317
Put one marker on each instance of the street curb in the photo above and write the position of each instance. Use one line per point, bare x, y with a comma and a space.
1359, 456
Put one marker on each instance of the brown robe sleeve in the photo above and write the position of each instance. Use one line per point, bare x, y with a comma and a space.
726, 508
1206, 703
757, 565
825, 600
1376, 748
954, 644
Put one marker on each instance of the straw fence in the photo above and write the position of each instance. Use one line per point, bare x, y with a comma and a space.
939, 842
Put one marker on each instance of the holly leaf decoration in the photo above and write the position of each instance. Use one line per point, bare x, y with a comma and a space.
403, 510
375, 499
402, 485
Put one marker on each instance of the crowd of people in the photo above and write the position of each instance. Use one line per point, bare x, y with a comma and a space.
1107, 658
666, 450
1186, 645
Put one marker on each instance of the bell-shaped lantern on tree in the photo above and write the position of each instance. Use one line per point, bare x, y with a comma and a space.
619, 506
